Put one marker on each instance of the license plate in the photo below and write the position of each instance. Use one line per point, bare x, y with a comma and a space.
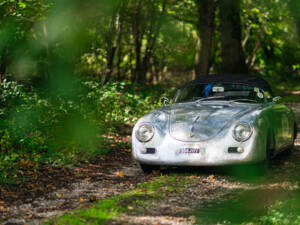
192, 150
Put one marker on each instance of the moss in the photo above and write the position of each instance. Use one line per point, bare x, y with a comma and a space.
146, 195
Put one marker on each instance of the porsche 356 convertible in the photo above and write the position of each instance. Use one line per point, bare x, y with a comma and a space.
215, 120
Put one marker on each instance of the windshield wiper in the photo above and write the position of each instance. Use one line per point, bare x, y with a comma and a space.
193, 125
209, 98
244, 99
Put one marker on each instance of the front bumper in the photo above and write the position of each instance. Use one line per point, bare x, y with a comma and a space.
213, 152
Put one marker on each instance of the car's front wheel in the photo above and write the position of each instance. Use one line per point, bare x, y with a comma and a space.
148, 168
291, 148
295, 131
270, 147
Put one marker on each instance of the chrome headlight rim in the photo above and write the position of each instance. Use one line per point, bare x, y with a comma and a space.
150, 137
239, 139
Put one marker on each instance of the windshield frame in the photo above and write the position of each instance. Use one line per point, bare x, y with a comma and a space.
265, 97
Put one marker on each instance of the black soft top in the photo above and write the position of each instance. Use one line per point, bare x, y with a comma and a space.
246, 79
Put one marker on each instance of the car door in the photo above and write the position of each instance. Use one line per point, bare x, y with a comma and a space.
282, 125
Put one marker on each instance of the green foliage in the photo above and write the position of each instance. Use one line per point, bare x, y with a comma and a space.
282, 213
11, 93
46, 45
270, 41
57, 129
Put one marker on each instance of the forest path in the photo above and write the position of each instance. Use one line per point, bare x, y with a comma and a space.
211, 186
60, 191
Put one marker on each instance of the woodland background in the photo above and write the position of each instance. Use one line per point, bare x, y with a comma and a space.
76, 73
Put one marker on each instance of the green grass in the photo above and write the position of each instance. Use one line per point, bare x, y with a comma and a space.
291, 98
99, 214
146, 195
282, 213
285, 91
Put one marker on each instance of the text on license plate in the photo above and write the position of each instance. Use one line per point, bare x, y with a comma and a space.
192, 150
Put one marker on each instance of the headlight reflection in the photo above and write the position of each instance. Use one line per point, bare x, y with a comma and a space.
145, 132
242, 132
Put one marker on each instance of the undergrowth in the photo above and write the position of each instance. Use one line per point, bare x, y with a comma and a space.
39, 126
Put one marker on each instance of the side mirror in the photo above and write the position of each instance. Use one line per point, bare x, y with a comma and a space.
164, 101
276, 99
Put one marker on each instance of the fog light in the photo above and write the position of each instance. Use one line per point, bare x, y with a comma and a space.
235, 150
148, 150
240, 149
143, 150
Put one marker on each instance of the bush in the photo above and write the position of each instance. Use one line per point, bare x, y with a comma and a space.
283, 213
57, 129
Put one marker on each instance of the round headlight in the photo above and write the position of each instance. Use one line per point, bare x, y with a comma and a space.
145, 132
242, 132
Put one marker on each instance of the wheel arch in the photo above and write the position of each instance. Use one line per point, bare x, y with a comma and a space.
270, 144
295, 130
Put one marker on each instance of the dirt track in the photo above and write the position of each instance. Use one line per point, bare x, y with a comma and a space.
81, 185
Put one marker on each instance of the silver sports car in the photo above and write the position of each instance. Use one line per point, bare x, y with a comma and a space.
215, 120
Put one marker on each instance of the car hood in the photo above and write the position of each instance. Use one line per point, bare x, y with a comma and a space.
200, 122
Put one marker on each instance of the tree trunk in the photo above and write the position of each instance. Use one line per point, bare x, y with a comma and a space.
3, 66
205, 26
2, 71
119, 43
138, 36
298, 28
113, 44
138, 72
294, 6
110, 65
131, 69
156, 23
233, 59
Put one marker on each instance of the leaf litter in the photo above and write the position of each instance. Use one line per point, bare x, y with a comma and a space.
56, 191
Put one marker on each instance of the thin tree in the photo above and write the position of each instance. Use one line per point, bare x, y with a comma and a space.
233, 59
205, 28
294, 6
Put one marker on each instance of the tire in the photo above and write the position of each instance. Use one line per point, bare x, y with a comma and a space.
270, 154
270, 147
291, 148
149, 168
295, 131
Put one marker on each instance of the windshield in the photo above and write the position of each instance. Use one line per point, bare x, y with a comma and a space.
220, 91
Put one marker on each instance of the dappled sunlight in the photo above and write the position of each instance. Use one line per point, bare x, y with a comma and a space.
75, 76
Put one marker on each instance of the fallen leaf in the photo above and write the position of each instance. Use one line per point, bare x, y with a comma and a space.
92, 198
58, 194
211, 178
29, 217
130, 207
155, 172
120, 174
80, 206
81, 199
